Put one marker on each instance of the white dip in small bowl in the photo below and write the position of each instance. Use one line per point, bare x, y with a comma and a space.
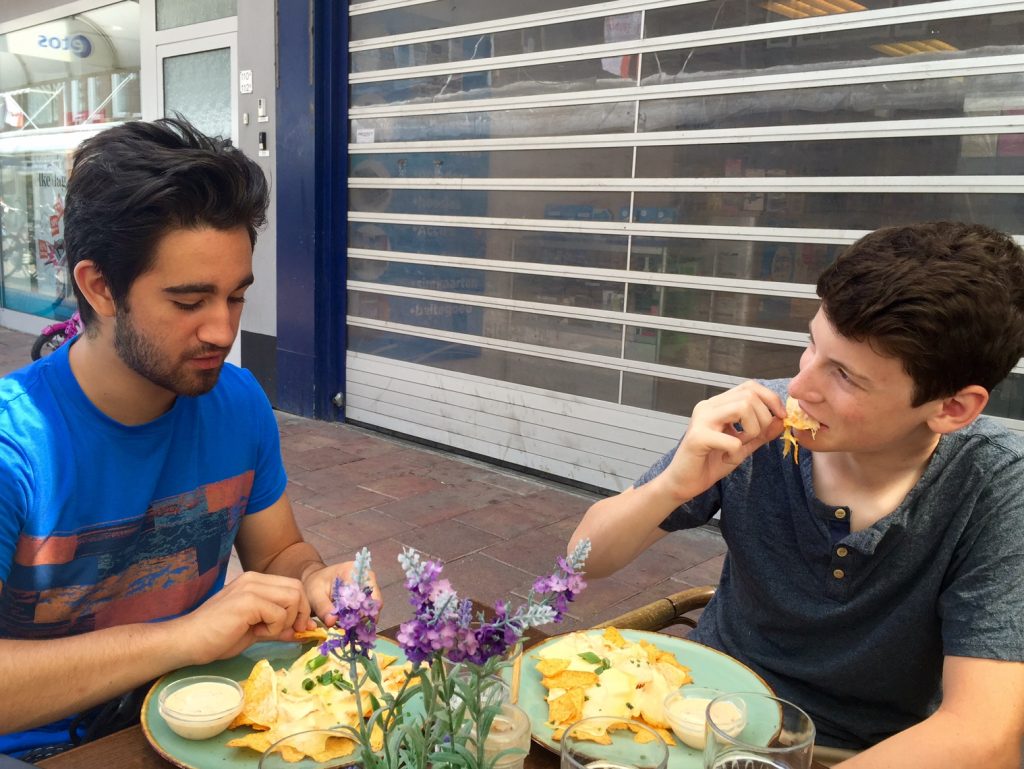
200, 707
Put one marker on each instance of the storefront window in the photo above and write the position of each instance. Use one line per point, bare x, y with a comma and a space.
179, 13
60, 82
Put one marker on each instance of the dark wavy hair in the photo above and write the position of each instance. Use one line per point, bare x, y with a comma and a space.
945, 298
132, 184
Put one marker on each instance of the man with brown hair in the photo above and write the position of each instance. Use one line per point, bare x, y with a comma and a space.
877, 583
134, 460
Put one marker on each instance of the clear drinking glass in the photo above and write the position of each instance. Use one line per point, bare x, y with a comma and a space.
623, 752
775, 735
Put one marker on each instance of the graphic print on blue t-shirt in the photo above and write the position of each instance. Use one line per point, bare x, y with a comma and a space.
151, 567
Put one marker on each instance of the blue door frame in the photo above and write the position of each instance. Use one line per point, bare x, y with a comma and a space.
312, 206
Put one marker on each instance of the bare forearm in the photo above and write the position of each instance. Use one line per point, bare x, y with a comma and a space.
621, 527
42, 681
295, 561
939, 742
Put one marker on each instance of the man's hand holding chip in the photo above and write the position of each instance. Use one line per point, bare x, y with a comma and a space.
319, 582
724, 431
254, 607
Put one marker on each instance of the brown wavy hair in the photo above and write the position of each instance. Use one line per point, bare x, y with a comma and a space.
945, 298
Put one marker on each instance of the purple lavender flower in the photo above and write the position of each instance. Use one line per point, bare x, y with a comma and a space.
356, 610
566, 583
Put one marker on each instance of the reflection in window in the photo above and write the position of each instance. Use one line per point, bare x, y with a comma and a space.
731, 308
838, 210
595, 206
444, 13
60, 82
537, 121
954, 97
937, 40
543, 289
882, 156
556, 375
1007, 399
560, 163
554, 248
579, 75
734, 357
670, 396
558, 333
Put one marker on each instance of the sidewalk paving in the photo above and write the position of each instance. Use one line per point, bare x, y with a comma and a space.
496, 530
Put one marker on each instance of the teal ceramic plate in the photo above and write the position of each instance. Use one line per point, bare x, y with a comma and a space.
708, 667
214, 752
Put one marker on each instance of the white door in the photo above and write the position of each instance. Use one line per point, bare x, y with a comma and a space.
190, 68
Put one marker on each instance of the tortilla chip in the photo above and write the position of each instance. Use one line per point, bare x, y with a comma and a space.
796, 419
318, 633
259, 698
550, 667
614, 637
567, 708
258, 741
644, 737
596, 734
652, 651
337, 747
570, 679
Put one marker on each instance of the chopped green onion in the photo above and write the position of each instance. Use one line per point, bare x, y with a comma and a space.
308, 684
316, 662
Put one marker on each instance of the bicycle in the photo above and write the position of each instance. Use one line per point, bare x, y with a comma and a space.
54, 336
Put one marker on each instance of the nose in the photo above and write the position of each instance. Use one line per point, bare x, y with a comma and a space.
802, 386
219, 327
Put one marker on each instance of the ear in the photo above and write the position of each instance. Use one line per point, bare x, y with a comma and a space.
959, 409
95, 289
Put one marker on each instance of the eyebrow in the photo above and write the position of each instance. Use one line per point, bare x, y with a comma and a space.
205, 288
852, 372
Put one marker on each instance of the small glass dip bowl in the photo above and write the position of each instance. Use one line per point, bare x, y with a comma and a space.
686, 711
200, 707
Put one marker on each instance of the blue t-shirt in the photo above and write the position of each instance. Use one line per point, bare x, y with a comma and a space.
853, 626
103, 524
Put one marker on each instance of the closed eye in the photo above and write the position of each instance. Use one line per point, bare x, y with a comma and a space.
188, 307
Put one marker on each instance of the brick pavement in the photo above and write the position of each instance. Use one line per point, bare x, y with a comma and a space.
495, 529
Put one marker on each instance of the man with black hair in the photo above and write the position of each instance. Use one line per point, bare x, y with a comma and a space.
135, 458
877, 582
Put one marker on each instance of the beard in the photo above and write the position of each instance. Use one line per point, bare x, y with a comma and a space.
142, 356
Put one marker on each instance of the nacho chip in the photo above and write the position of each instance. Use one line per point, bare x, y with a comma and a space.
567, 708
318, 633
570, 679
596, 734
652, 651
258, 741
614, 637
313, 692
642, 737
259, 698
550, 667
384, 660
796, 419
